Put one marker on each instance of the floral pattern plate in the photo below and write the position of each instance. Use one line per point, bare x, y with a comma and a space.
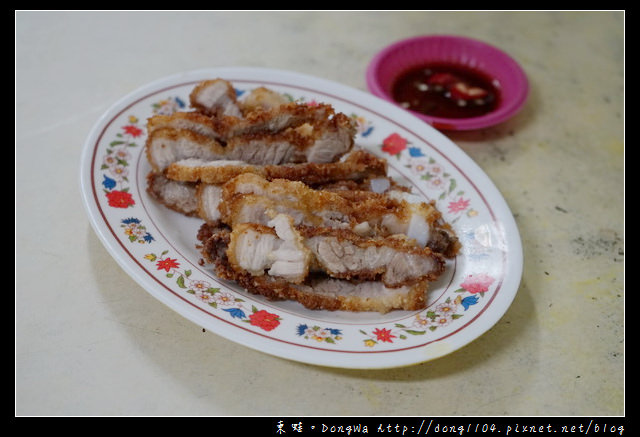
157, 247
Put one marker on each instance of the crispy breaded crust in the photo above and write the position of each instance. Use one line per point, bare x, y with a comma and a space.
210, 172
310, 295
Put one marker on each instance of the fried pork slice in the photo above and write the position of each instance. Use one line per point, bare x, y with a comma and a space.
396, 261
249, 197
422, 221
283, 250
277, 250
322, 143
331, 139
356, 165
175, 195
197, 122
215, 97
318, 291
257, 208
219, 114
203, 200
399, 211
275, 119
166, 146
208, 199
257, 119
251, 208
263, 110
260, 120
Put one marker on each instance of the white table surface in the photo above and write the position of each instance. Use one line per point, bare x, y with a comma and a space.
89, 341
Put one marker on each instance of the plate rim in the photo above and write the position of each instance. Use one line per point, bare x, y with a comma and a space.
513, 262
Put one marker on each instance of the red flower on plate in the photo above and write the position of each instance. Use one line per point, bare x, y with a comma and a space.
264, 320
167, 264
120, 199
132, 130
394, 144
459, 205
477, 283
384, 335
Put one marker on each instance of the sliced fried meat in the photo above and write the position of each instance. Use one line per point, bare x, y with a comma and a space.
320, 143
396, 261
263, 111
175, 195
256, 200
197, 122
275, 119
281, 249
292, 209
318, 291
266, 131
265, 120
176, 183
331, 139
249, 197
277, 250
215, 97
208, 198
260, 208
324, 293
354, 166
166, 146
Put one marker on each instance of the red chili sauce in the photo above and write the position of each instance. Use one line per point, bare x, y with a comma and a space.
446, 90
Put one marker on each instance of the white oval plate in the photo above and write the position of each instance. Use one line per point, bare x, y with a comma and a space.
157, 247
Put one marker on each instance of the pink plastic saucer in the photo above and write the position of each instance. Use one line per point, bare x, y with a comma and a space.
410, 53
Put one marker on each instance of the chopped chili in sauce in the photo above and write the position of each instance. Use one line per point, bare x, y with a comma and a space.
446, 90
